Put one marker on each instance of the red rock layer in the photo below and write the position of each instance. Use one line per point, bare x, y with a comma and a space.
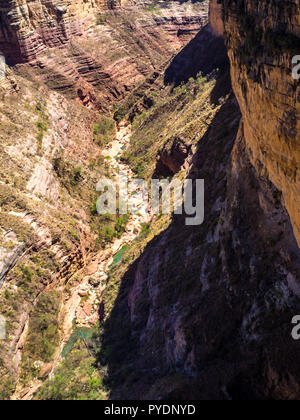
100, 63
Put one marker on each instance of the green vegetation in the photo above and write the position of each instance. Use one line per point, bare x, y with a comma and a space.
107, 227
11, 199
104, 131
17, 225
120, 113
101, 19
7, 385
39, 106
69, 175
43, 334
78, 377
109, 233
153, 9
185, 111
42, 129
41, 126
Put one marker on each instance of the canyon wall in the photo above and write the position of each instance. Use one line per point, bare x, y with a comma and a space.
262, 38
95, 51
216, 17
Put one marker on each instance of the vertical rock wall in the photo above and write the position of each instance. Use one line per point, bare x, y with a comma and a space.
216, 18
262, 37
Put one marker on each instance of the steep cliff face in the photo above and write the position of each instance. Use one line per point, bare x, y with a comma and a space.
49, 164
216, 17
262, 37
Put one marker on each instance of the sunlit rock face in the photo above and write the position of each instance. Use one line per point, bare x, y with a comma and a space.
262, 37
28, 27
216, 18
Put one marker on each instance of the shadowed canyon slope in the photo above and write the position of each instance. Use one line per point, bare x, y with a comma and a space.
110, 307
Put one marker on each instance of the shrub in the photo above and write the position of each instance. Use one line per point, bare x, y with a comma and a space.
69, 175
101, 20
104, 131
120, 114
42, 127
39, 106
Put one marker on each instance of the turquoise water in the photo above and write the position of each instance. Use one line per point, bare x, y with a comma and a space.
78, 334
119, 255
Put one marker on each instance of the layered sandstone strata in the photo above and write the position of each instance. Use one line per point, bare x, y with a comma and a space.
96, 51
28, 27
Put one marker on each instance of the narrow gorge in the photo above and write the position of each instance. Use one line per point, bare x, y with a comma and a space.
144, 306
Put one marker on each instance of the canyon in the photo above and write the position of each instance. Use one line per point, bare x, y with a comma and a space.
145, 307
95, 51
